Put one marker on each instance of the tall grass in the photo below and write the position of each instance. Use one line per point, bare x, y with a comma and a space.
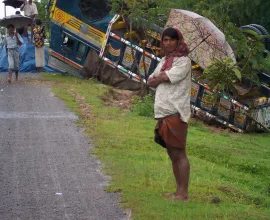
229, 172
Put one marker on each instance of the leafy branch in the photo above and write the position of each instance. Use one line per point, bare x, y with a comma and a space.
251, 56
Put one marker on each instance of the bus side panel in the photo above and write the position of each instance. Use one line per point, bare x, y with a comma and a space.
56, 38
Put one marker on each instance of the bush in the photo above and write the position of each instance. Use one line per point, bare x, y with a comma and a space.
267, 65
144, 107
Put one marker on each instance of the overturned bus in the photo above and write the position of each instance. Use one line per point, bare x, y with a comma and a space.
87, 40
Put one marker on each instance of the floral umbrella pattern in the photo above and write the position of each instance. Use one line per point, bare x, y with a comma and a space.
205, 41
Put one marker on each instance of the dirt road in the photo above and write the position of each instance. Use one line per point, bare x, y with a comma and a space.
45, 169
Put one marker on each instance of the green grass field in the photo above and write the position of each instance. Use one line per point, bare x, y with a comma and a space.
230, 173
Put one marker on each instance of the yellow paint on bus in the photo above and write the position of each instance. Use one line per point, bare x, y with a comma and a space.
75, 25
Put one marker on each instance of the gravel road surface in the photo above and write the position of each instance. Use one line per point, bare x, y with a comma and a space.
45, 169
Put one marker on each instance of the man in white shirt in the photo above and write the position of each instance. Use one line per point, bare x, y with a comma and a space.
30, 9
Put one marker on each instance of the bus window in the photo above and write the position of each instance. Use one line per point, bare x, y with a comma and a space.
68, 41
81, 48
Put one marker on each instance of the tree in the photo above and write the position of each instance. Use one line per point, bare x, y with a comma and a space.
140, 14
42, 13
240, 12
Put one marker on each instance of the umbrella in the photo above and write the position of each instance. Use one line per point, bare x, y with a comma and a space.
13, 3
17, 20
205, 41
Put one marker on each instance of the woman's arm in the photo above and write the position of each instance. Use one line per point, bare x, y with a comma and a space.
156, 77
180, 70
154, 81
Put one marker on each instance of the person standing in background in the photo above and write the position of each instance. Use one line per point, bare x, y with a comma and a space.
39, 37
13, 41
26, 32
30, 9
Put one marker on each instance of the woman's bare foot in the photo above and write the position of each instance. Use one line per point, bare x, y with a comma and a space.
9, 80
180, 198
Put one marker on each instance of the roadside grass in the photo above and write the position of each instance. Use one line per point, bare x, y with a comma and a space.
230, 173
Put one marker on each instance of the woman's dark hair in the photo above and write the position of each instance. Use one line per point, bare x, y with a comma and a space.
182, 48
170, 32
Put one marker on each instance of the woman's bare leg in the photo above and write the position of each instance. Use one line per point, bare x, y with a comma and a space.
181, 170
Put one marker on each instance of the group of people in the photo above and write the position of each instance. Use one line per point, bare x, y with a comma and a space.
14, 40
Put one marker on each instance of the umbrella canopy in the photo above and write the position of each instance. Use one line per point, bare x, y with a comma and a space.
13, 3
17, 20
205, 41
